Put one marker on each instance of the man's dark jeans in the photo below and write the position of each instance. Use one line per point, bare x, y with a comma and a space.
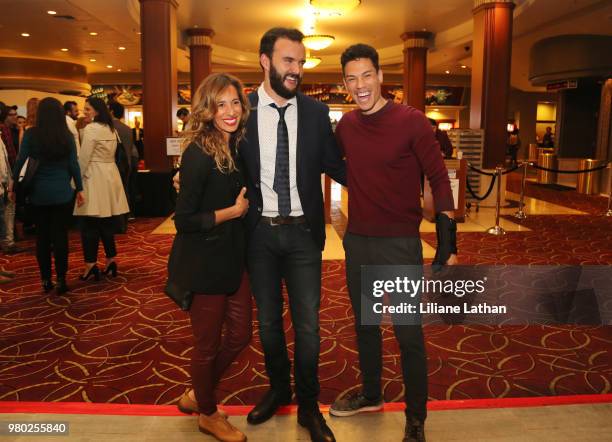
288, 252
368, 250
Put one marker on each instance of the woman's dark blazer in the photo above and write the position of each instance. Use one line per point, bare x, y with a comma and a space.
206, 258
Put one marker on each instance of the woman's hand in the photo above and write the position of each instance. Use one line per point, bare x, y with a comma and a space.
80, 199
242, 204
176, 182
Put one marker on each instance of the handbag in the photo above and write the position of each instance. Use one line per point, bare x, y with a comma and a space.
181, 297
26, 177
122, 161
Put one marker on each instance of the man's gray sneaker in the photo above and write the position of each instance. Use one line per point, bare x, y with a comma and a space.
354, 403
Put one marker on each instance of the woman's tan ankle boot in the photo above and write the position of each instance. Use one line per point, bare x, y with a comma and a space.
188, 405
219, 427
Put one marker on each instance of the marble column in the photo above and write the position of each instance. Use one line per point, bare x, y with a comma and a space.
415, 67
159, 75
491, 54
200, 55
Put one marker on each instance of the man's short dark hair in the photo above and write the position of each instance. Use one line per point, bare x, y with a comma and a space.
182, 112
266, 45
3, 112
433, 122
358, 51
117, 109
68, 105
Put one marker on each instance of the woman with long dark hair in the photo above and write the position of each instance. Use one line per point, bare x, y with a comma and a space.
51, 195
102, 187
31, 110
208, 252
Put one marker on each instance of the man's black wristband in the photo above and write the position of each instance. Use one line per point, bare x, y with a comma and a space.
446, 230
446, 233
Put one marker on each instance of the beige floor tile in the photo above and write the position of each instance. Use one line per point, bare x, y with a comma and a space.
166, 227
531, 424
333, 244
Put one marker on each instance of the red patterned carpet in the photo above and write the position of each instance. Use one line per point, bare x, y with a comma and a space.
122, 341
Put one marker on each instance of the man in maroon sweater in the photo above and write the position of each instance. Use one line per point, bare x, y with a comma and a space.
387, 147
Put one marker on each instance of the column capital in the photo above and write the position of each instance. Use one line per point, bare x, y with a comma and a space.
485, 4
416, 39
199, 36
171, 2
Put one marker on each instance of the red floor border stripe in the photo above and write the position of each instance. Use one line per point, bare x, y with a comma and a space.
241, 410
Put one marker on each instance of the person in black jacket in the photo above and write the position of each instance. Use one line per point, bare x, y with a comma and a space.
208, 253
52, 145
442, 138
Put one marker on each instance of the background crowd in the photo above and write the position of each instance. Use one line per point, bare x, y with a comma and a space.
60, 167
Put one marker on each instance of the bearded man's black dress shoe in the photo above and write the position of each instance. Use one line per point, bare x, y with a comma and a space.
267, 406
314, 422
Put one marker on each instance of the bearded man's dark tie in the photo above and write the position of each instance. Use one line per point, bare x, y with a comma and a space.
281, 171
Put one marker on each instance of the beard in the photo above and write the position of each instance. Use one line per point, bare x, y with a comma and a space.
276, 82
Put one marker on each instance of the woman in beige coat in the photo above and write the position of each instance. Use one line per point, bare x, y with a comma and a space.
102, 188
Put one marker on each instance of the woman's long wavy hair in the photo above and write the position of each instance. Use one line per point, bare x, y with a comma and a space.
31, 110
201, 128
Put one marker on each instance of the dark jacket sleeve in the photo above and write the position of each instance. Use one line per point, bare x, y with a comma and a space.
74, 168
333, 164
24, 153
195, 170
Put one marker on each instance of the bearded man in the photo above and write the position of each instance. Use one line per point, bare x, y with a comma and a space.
288, 144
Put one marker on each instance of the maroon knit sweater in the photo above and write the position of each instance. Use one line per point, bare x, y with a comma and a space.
386, 153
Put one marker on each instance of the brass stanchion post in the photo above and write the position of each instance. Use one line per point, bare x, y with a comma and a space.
521, 213
497, 230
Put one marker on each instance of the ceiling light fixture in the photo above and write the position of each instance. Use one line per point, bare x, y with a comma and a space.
335, 7
463, 66
121, 48
119, 70
110, 66
64, 49
25, 34
447, 72
51, 12
92, 60
93, 34
312, 62
317, 42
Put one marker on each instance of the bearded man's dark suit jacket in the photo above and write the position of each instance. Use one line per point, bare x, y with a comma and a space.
316, 153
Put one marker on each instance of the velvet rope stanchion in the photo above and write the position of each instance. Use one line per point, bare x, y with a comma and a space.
481, 172
507, 171
520, 214
497, 230
594, 169
486, 195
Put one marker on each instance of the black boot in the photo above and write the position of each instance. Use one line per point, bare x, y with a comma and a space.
266, 408
415, 430
314, 422
61, 285
47, 285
